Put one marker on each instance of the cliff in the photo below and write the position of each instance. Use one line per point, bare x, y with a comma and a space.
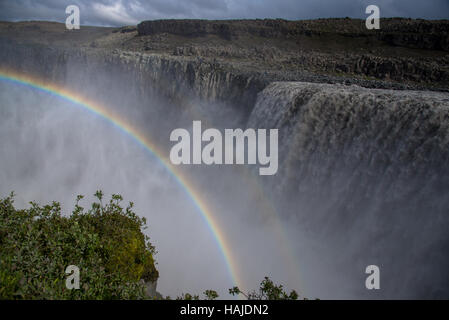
404, 54
422, 34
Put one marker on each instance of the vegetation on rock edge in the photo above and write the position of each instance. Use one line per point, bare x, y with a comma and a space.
106, 242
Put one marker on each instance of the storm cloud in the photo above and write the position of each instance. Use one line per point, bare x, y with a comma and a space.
119, 12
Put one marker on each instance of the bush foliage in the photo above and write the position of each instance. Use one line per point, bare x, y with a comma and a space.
268, 290
105, 242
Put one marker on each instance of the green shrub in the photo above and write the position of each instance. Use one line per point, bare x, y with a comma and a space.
105, 242
268, 290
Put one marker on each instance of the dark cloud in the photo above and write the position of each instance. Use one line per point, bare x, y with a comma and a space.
121, 12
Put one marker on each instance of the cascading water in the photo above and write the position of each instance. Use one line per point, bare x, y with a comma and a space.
364, 173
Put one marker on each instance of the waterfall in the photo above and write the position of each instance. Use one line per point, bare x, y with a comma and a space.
366, 172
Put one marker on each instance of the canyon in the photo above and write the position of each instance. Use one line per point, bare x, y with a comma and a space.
363, 120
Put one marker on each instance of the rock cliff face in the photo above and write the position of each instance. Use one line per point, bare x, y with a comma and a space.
178, 79
404, 54
190, 28
324, 46
422, 34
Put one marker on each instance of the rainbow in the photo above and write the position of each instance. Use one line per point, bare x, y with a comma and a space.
145, 142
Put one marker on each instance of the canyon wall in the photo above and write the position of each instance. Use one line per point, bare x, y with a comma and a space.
410, 33
181, 80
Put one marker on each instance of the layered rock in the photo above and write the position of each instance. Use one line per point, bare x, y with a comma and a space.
423, 34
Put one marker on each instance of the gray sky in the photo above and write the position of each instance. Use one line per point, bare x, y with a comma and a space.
122, 12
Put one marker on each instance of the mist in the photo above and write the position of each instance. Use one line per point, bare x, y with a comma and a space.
53, 150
